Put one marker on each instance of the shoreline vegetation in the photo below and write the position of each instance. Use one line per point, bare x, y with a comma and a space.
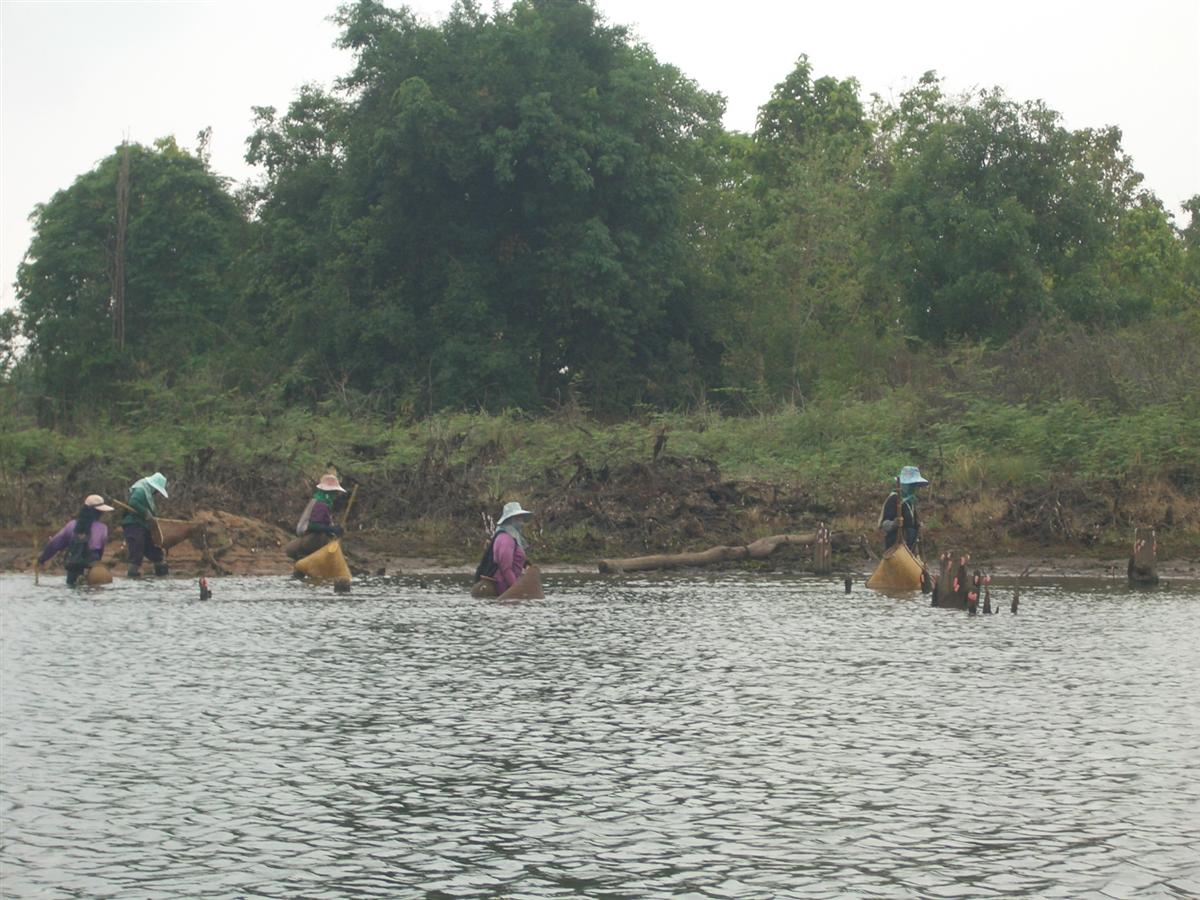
512, 255
1009, 481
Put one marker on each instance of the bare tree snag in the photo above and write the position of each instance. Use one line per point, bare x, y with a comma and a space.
823, 551
953, 584
1143, 565
759, 549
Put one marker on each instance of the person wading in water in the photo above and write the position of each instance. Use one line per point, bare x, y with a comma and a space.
899, 513
139, 536
83, 538
316, 528
504, 559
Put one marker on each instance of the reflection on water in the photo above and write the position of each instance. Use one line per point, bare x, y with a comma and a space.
739, 737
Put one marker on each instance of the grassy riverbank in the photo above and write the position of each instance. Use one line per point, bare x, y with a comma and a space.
1062, 477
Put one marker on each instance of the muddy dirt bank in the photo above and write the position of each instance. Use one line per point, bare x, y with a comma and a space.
432, 518
234, 545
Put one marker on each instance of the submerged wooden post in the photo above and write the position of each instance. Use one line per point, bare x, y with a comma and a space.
953, 583
823, 551
1143, 564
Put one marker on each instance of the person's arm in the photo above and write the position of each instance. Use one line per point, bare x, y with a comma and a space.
58, 543
503, 551
888, 524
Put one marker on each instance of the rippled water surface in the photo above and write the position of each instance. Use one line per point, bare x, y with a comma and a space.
738, 737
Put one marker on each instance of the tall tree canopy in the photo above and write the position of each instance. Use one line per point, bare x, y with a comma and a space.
991, 213
492, 212
522, 206
182, 229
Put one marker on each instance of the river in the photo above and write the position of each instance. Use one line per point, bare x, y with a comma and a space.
733, 736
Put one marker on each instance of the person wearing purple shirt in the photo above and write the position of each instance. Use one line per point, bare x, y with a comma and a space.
508, 546
83, 539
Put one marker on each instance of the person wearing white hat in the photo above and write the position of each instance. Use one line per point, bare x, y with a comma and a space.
899, 514
507, 548
316, 528
83, 538
139, 539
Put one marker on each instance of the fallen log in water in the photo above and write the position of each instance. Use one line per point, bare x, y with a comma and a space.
759, 549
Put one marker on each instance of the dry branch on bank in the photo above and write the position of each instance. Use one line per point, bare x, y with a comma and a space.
759, 549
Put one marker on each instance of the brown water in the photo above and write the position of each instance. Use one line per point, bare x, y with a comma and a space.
730, 737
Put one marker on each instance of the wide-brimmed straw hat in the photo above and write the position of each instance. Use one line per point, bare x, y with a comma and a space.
158, 481
510, 510
95, 501
911, 475
329, 482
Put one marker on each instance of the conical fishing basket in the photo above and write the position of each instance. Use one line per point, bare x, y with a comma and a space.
899, 570
485, 587
169, 532
527, 587
328, 563
298, 548
99, 573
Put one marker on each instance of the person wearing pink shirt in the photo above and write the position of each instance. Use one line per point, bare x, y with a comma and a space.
504, 560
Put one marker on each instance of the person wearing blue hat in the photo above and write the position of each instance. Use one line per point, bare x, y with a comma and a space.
900, 510
139, 537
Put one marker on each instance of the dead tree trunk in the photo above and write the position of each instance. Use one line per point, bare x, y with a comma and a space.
823, 551
1143, 565
953, 583
759, 549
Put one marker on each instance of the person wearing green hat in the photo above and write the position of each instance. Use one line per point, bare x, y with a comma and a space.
139, 536
899, 514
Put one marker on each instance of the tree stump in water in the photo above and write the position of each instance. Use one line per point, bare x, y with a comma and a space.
1143, 565
823, 551
953, 583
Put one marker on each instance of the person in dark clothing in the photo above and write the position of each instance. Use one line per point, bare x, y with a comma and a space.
139, 536
315, 528
899, 514
83, 539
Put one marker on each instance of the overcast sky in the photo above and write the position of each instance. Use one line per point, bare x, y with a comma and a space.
77, 77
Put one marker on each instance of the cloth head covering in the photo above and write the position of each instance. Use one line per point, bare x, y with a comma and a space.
511, 509
329, 482
911, 475
96, 502
158, 481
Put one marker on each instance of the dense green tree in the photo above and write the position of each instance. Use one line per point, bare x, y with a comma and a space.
182, 227
990, 214
1191, 252
800, 241
10, 335
499, 204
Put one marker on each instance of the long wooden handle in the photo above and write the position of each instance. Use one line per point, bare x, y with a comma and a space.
349, 506
156, 534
